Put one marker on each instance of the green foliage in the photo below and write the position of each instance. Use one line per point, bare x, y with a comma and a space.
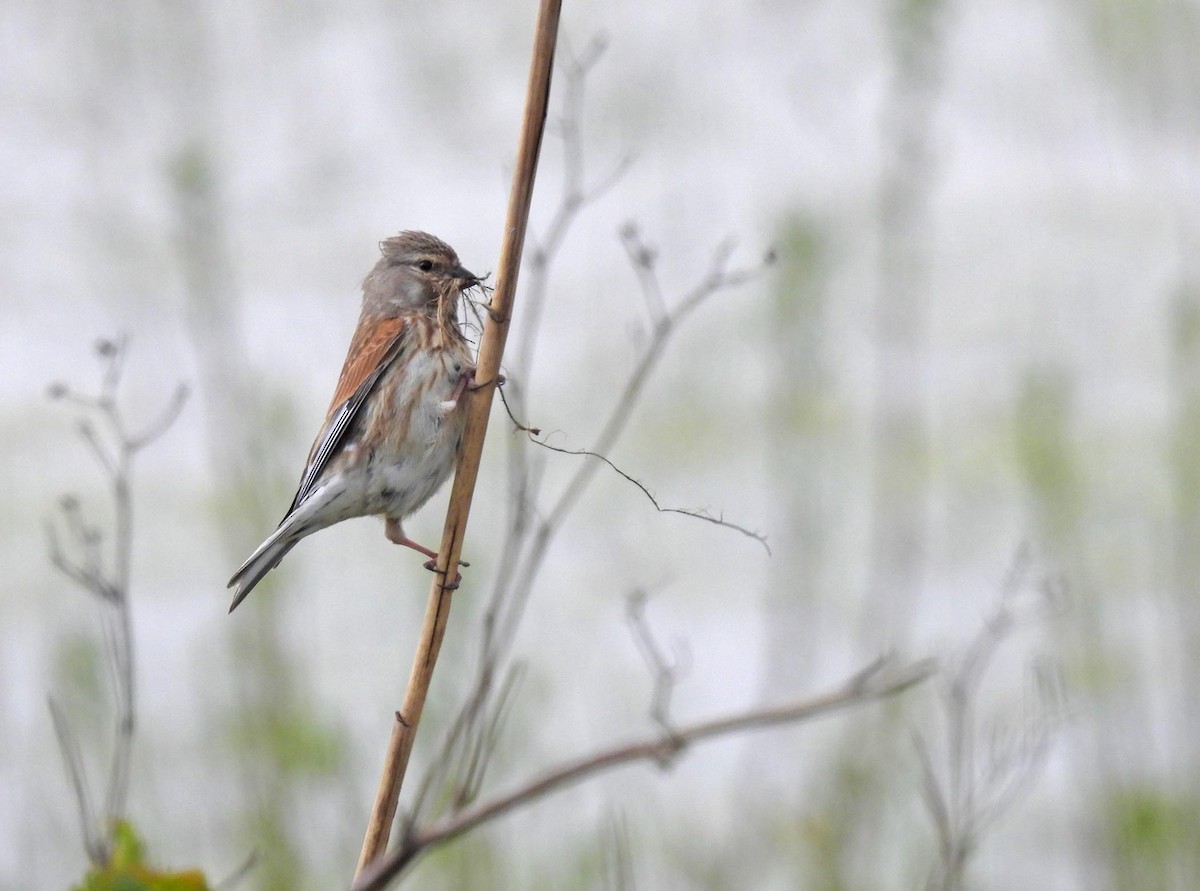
127, 869
281, 744
797, 318
470, 862
1149, 830
847, 811
803, 253
304, 746
294, 739
1129, 26
1185, 333
191, 170
1045, 409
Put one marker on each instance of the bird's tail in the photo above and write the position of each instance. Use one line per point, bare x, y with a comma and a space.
262, 561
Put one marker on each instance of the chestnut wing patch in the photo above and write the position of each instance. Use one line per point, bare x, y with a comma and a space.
372, 350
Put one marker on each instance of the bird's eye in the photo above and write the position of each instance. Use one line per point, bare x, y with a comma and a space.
425, 265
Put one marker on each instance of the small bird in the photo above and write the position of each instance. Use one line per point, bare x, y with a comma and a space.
392, 431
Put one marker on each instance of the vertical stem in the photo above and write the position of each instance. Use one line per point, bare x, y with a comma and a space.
1184, 620
118, 788
900, 497
491, 349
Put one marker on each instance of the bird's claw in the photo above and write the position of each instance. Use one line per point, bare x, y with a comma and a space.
499, 380
432, 566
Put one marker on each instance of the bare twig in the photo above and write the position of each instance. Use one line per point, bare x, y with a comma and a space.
576, 193
68, 745
468, 734
513, 587
107, 436
530, 531
718, 278
694, 513
484, 743
617, 866
158, 427
664, 673
642, 258
491, 350
870, 684
515, 577
975, 789
239, 874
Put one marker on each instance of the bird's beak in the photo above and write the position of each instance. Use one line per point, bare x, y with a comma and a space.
468, 278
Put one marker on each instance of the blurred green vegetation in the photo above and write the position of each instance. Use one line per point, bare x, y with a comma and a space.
128, 869
1149, 836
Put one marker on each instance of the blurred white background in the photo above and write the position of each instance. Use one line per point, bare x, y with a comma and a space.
981, 333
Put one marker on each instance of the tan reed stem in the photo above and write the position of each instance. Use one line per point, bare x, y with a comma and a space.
491, 349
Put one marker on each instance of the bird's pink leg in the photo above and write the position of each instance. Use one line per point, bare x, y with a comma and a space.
468, 375
466, 382
395, 534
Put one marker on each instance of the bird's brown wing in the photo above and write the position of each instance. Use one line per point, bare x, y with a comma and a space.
367, 356
372, 350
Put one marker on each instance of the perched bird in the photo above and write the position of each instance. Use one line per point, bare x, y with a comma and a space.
393, 429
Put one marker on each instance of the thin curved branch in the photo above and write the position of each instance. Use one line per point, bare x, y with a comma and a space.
162, 423
868, 685
718, 278
695, 513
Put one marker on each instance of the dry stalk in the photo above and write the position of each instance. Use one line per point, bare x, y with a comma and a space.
491, 349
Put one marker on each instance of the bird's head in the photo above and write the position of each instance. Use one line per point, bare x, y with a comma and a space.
416, 273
